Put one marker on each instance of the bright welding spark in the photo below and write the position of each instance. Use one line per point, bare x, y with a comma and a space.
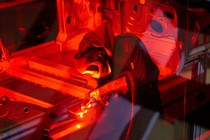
89, 106
82, 107
78, 126
85, 111
81, 114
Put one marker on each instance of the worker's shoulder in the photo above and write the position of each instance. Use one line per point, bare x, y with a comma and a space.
126, 36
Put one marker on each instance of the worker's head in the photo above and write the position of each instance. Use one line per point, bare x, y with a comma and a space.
95, 50
93, 57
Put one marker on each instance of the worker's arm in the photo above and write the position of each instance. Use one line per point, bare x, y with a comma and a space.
120, 85
115, 86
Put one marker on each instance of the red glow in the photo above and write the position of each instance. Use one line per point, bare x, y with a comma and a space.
41, 55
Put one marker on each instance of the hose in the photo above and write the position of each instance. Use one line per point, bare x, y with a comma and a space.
132, 88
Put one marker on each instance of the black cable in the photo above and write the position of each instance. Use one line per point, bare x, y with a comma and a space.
132, 89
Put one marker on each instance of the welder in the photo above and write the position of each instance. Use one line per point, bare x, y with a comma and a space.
113, 60
122, 65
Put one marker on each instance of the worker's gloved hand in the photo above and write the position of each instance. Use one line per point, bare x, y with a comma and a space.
100, 96
102, 93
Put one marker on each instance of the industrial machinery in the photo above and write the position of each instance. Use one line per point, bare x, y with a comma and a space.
43, 96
